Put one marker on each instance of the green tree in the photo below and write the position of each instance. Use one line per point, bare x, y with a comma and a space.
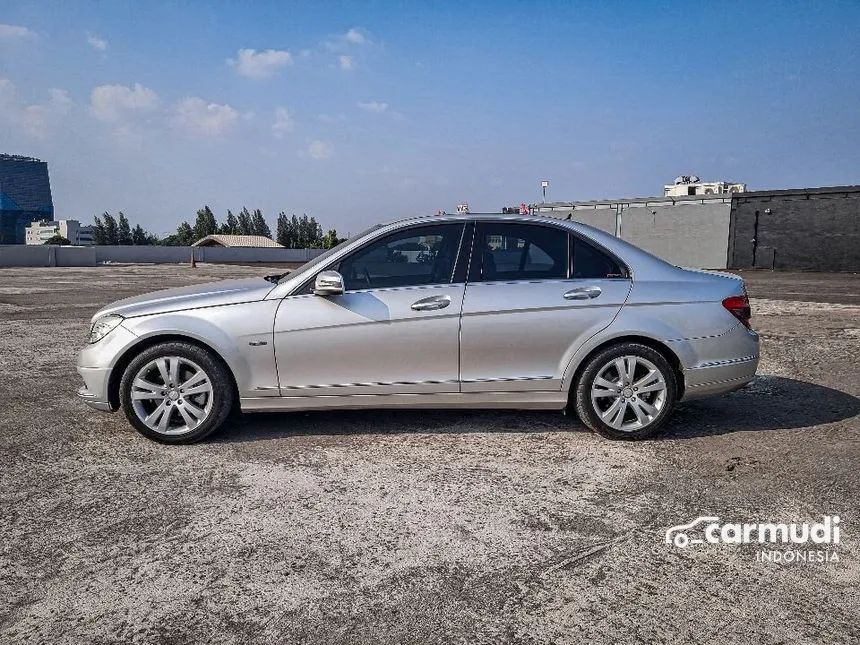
123, 233
140, 237
309, 234
185, 234
285, 234
244, 225
58, 240
231, 225
259, 226
330, 239
206, 224
99, 235
111, 229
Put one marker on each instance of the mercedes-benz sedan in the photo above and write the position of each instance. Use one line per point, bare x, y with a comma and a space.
440, 312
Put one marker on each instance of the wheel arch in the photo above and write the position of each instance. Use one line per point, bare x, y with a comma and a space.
658, 346
145, 343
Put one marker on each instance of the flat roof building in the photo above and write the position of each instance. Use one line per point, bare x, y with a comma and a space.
41, 231
25, 196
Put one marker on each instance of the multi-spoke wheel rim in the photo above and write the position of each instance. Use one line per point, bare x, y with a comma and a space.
171, 395
628, 393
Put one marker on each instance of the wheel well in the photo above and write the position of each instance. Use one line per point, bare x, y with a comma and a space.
146, 343
656, 345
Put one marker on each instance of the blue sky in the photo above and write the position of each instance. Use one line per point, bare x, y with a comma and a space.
358, 112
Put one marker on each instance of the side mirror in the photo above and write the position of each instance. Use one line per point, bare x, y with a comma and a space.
328, 283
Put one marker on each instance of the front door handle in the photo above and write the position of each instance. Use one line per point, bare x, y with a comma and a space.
431, 303
582, 293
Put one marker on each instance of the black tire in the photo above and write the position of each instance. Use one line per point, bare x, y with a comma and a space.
223, 395
585, 409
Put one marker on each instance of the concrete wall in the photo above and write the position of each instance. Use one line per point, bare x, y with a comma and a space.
74, 256
690, 233
816, 229
47, 256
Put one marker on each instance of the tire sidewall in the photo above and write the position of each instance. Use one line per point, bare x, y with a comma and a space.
223, 395
588, 415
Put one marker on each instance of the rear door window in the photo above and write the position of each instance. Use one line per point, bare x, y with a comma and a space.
510, 252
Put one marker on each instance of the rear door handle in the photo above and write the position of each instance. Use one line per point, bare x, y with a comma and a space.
582, 293
431, 303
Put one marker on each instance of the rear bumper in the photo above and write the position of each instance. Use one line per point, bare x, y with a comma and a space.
714, 380
726, 363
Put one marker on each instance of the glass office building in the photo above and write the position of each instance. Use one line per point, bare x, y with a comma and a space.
25, 196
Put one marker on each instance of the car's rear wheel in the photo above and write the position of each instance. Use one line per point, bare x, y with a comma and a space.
176, 392
626, 391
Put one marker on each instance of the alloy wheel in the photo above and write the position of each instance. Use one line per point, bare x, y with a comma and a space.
628, 393
172, 395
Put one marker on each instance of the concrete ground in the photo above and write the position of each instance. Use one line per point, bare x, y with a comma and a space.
422, 527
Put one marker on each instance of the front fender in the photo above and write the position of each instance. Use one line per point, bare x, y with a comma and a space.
242, 336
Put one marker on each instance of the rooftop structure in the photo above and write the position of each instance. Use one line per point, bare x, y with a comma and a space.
690, 185
259, 241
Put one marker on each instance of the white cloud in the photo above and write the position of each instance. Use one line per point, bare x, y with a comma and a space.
331, 118
377, 107
114, 102
196, 118
97, 43
355, 37
341, 42
262, 64
284, 123
347, 63
16, 32
320, 150
38, 119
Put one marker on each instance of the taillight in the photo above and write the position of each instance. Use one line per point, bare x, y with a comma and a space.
739, 307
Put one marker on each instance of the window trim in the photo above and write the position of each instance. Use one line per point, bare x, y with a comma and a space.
476, 265
303, 289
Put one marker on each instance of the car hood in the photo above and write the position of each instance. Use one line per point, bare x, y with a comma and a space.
213, 294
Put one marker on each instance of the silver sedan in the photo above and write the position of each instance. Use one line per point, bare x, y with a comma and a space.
441, 312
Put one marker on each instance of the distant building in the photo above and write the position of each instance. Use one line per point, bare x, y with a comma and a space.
257, 241
41, 231
25, 196
689, 185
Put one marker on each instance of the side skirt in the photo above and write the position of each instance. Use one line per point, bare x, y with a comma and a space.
556, 400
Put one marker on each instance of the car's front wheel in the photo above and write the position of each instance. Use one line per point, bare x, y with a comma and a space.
626, 391
176, 392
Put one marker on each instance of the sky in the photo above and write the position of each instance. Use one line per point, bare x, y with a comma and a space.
358, 112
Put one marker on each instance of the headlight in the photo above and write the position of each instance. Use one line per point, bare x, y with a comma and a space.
103, 326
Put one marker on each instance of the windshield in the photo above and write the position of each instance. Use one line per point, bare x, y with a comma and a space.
321, 259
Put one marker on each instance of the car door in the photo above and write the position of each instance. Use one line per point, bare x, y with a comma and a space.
535, 293
393, 330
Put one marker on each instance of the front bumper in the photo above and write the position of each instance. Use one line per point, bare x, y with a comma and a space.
92, 400
95, 365
94, 392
